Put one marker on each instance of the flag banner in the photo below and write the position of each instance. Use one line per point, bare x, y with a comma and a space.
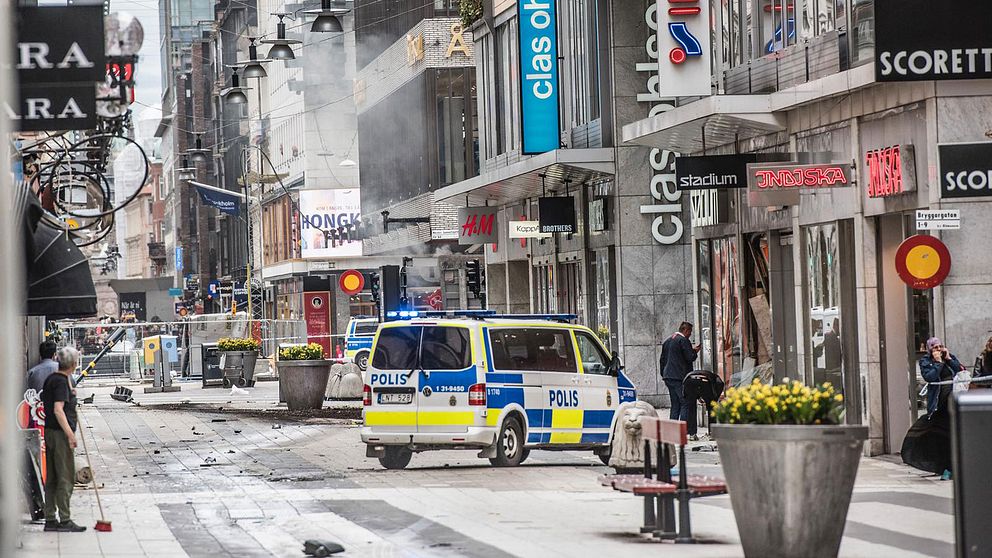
228, 202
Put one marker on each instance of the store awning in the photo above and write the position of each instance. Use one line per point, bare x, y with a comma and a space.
521, 180
706, 123
59, 281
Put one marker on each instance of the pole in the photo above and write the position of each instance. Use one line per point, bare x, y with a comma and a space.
12, 295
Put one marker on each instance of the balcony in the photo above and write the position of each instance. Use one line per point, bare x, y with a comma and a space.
156, 250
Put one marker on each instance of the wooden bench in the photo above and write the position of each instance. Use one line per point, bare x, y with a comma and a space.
656, 486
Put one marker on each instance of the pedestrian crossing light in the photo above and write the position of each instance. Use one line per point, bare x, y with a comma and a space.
473, 277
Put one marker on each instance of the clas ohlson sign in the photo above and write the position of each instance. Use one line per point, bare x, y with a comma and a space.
538, 75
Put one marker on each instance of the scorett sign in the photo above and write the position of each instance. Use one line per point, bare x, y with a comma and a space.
965, 169
951, 41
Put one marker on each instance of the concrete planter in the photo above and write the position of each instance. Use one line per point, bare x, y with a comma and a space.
790, 486
302, 383
239, 367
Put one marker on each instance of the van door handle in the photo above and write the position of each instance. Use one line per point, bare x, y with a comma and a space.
575, 380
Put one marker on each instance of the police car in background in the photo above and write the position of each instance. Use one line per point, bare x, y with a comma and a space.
500, 384
358, 339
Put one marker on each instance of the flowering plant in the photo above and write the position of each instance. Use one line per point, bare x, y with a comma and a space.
237, 344
785, 403
313, 351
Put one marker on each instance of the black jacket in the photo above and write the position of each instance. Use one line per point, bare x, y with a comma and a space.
677, 357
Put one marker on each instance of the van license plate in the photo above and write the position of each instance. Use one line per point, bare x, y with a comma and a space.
395, 398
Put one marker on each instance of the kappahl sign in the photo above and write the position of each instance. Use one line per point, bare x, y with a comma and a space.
538, 75
323, 210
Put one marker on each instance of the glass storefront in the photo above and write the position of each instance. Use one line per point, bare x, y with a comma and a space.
831, 320
719, 330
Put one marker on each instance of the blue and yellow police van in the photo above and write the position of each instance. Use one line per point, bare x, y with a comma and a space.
358, 339
503, 385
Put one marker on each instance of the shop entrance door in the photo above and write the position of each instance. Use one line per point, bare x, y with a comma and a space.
783, 301
896, 331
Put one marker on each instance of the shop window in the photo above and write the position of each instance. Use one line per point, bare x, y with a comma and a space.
727, 313
705, 327
831, 318
601, 271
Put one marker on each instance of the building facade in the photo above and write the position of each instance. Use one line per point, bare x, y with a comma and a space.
804, 282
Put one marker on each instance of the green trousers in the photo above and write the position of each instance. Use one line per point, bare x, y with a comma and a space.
60, 474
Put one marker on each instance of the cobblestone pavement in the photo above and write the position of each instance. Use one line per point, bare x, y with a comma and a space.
192, 480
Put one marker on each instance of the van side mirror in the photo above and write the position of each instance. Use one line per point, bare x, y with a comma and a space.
615, 365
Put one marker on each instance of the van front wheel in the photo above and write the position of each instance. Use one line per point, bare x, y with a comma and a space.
509, 445
362, 360
396, 457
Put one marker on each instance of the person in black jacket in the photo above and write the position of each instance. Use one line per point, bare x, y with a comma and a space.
677, 356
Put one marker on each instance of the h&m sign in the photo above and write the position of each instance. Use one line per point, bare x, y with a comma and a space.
477, 225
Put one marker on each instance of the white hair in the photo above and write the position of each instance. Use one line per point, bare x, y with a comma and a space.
68, 358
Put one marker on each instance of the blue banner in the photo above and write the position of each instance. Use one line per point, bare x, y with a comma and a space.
229, 203
538, 75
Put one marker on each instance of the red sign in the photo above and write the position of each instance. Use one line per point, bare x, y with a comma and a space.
317, 314
923, 262
805, 176
351, 282
891, 171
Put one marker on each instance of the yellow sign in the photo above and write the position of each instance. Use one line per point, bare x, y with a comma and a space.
457, 42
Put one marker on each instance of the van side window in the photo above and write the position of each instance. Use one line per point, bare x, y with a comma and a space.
594, 360
445, 348
366, 328
397, 348
538, 349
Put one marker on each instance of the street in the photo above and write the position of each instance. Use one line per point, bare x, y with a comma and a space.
207, 473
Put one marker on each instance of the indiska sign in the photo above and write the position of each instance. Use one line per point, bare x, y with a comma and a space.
538, 75
891, 171
779, 185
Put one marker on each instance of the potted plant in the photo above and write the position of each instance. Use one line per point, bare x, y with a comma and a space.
303, 374
238, 357
790, 466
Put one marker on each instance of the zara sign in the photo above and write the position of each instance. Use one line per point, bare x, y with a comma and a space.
538, 75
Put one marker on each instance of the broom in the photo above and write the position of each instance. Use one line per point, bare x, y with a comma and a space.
101, 524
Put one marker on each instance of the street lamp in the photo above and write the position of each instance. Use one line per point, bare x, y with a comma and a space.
235, 94
281, 49
186, 172
253, 66
199, 154
327, 18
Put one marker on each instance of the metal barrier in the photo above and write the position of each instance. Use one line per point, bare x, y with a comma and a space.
971, 453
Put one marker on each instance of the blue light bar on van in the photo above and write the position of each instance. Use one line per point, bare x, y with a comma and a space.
462, 313
402, 314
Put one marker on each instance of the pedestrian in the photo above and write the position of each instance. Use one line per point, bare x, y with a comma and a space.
40, 372
983, 365
704, 386
938, 365
59, 398
677, 356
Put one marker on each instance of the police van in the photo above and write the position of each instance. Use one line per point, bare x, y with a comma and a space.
358, 339
500, 384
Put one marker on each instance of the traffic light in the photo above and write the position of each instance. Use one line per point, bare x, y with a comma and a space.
473, 277
374, 286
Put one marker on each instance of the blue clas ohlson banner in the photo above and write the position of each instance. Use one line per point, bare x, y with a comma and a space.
228, 202
538, 75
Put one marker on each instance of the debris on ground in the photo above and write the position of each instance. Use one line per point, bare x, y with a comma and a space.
338, 413
321, 549
276, 426
235, 390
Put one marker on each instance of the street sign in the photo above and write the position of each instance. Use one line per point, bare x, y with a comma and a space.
923, 262
938, 220
351, 282
179, 258
320, 266
175, 292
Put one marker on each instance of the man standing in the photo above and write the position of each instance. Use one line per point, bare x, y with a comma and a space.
41, 371
677, 356
59, 399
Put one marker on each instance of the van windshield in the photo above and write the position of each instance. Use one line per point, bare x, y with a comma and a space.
366, 328
437, 347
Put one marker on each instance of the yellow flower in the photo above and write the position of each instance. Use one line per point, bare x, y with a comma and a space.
838, 398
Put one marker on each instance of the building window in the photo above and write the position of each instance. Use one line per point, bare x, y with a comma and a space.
583, 42
457, 127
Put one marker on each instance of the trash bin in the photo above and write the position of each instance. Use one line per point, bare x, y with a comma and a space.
971, 453
210, 368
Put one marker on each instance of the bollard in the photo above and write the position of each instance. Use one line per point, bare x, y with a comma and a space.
971, 453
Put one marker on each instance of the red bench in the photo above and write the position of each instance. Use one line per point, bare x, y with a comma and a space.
656, 485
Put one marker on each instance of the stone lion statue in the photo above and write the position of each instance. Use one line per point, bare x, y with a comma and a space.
627, 453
